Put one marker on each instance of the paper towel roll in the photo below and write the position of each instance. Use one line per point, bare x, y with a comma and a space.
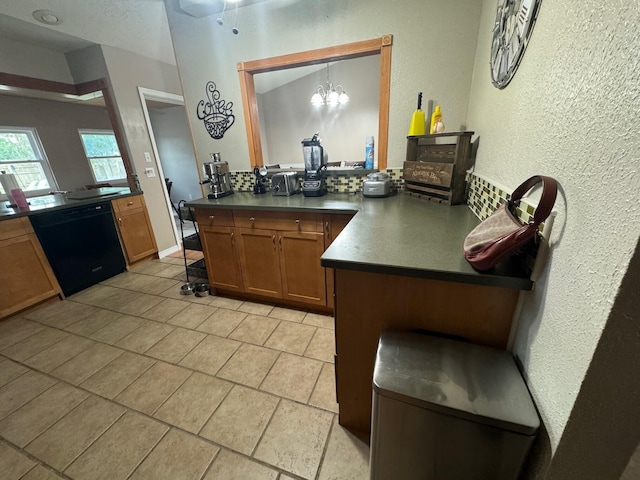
8, 181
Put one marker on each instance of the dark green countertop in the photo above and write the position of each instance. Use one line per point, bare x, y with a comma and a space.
46, 203
398, 235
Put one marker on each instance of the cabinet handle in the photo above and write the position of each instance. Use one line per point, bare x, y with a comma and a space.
326, 227
298, 222
233, 240
129, 204
211, 217
119, 221
252, 219
273, 238
280, 241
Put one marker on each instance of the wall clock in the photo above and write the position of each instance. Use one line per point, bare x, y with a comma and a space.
511, 32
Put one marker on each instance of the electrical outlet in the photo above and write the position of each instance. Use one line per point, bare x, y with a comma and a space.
149, 172
147, 157
190, 197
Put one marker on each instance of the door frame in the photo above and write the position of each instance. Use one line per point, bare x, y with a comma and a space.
171, 98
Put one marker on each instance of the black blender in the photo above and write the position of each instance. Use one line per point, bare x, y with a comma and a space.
315, 162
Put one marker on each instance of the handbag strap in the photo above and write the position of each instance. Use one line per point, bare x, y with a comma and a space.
547, 200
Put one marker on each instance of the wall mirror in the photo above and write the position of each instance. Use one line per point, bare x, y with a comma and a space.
93, 95
337, 55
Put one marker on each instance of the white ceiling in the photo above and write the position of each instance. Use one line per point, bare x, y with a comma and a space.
138, 26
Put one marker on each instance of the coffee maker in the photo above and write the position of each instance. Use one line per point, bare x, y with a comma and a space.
217, 173
315, 162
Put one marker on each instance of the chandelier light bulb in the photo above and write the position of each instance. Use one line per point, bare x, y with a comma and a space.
332, 98
317, 100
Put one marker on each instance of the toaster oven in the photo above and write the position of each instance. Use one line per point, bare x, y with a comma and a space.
285, 183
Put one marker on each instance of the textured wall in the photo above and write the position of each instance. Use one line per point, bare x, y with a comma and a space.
127, 72
433, 50
571, 112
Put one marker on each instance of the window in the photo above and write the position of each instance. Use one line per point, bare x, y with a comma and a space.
102, 151
21, 154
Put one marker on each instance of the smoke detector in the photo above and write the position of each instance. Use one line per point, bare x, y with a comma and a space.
47, 17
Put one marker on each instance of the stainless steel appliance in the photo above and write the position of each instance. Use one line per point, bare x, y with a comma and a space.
81, 244
315, 163
377, 184
218, 178
445, 409
285, 183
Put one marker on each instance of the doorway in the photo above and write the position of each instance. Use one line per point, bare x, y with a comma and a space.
168, 127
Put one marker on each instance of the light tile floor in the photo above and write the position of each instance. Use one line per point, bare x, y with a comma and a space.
130, 379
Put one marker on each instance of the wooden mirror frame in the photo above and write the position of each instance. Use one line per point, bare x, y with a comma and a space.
246, 71
102, 85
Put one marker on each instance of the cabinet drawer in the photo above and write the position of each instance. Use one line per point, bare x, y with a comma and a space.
123, 205
283, 221
15, 227
211, 217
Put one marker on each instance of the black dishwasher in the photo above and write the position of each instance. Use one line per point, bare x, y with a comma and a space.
81, 244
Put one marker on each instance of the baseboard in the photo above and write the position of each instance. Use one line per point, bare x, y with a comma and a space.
169, 251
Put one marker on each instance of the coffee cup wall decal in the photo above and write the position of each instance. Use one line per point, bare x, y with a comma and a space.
216, 114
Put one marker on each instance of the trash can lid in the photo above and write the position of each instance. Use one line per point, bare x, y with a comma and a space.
473, 382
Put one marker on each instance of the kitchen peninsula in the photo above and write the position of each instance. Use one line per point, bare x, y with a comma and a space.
397, 264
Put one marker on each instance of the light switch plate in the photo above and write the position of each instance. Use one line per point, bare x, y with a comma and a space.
147, 157
149, 172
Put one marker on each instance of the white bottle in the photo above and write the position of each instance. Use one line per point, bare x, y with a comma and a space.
369, 153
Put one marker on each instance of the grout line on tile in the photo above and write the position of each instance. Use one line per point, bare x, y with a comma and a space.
144, 457
266, 426
30, 400
310, 340
173, 393
326, 446
216, 409
31, 457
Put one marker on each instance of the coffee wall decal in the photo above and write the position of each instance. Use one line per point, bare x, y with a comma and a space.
216, 114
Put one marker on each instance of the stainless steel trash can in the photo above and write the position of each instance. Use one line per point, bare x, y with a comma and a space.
448, 410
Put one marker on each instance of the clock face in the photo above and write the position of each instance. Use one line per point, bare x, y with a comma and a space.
511, 32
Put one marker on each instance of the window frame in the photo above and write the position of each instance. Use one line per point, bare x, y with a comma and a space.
93, 131
43, 160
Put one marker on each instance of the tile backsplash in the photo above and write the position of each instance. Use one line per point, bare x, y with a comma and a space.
484, 198
351, 182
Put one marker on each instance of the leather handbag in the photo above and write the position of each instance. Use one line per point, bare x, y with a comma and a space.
501, 234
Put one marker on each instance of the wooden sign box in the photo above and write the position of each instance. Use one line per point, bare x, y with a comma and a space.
436, 171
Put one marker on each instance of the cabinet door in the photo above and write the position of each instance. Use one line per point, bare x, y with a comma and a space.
260, 262
221, 257
333, 225
25, 274
137, 235
303, 278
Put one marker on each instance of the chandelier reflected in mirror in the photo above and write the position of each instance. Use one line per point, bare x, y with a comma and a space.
329, 95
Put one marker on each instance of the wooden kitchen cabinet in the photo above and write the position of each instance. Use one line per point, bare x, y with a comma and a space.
333, 225
303, 279
284, 260
26, 274
260, 261
134, 228
220, 248
221, 257
265, 253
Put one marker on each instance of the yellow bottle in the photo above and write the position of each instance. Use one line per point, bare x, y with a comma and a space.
417, 120
436, 121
